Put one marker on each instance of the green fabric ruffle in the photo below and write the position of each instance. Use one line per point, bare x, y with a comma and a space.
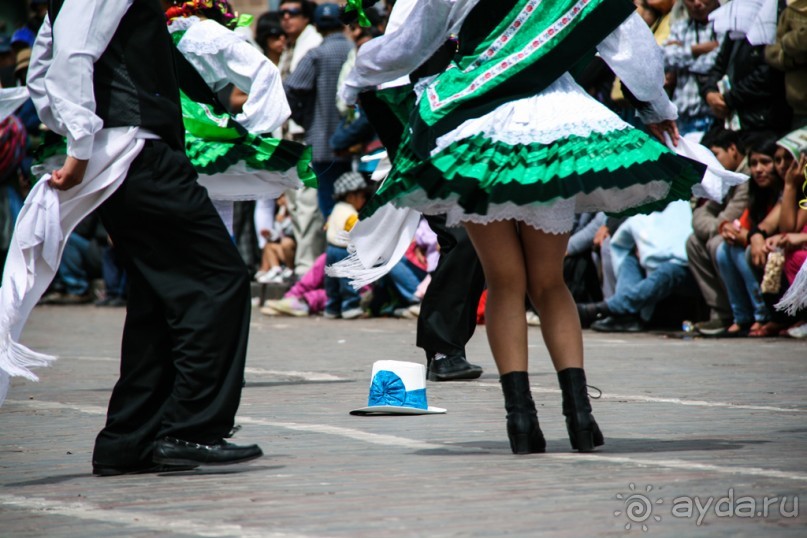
480, 171
214, 142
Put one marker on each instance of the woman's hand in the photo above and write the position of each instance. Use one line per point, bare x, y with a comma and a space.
773, 241
600, 236
666, 126
794, 176
791, 241
733, 234
759, 250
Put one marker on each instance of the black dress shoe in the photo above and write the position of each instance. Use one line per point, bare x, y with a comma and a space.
451, 368
591, 312
178, 452
619, 324
109, 470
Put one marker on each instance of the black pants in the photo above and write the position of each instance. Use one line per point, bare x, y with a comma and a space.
187, 320
447, 317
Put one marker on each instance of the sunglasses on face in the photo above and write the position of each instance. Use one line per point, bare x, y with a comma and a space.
292, 12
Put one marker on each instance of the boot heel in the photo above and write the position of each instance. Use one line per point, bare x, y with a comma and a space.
583, 441
584, 433
520, 443
523, 429
527, 443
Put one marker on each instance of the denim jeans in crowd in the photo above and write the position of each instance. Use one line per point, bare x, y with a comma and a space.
327, 173
72, 270
638, 294
114, 274
406, 277
742, 286
341, 296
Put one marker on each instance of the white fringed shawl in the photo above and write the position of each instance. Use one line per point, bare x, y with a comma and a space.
45, 222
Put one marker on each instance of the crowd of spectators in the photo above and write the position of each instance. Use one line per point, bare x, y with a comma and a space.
720, 265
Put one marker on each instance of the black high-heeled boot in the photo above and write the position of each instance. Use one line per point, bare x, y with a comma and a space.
584, 433
522, 419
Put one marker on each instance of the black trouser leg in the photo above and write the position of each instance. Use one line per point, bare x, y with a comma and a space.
185, 337
447, 317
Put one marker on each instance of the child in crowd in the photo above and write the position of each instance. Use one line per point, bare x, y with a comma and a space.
276, 240
306, 297
408, 277
350, 193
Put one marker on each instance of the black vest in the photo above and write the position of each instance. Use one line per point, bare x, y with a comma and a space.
135, 80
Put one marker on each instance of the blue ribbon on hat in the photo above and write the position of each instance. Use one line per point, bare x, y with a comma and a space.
388, 389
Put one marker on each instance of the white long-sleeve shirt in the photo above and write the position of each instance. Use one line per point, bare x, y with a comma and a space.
60, 76
222, 57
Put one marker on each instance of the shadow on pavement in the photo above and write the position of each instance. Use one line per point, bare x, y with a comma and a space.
612, 446
202, 471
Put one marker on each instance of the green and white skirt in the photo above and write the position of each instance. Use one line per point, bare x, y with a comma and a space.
236, 165
539, 160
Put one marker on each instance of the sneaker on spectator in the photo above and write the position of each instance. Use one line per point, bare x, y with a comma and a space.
259, 274
713, 327
330, 315
414, 310
404, 313
798, 332
532, 319
273, 276
268, 309
352, 313
291, 306
287, 274
72, 299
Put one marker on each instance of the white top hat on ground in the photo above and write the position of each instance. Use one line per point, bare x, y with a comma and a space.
397, 388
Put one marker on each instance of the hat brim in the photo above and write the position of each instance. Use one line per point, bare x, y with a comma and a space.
395, 410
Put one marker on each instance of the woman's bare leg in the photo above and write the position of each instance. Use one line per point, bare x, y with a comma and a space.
500, 252
270, 256
560, 323
288, 246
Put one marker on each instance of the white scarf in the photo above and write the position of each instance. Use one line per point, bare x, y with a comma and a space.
45, 222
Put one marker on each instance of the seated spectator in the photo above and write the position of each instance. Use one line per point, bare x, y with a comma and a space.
350, 194
792, 236
306, 296
114, 278
12, 152
650, 263
408, 275
81, 263
707, 218
759, 219
7, 62
788, 54
276, 239
601, 245
579, 269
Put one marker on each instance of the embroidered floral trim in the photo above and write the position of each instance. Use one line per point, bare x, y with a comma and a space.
514, 59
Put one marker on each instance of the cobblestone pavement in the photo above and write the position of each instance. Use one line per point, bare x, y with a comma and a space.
710, 429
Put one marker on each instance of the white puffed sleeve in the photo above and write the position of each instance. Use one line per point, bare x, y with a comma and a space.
222, 57
398, 53
632, 53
